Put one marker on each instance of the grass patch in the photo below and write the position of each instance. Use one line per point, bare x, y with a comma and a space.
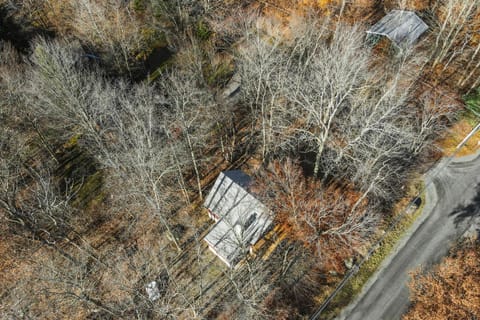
456, 135
203, 31
139, 5
472, 102
90, 191
158, 72
78, 170
471, 118
218, 75
354, 286
154, 46
468, 120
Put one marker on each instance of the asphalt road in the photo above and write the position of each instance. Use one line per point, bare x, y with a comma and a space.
452, 205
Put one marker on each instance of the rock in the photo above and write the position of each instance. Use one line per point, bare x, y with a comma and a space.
232, 87
152, 291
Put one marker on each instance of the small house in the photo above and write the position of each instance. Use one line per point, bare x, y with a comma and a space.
240, 218
402, 27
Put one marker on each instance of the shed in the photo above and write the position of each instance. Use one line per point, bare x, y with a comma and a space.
241, 219
402, 27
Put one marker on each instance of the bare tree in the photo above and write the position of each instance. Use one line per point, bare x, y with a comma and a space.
60, 89
141, 155
374, 149
70, 286
190, 115
472, 67
127, 275
303, 87
324, 83
454, 19
110, 26
436, 111
120, 124
354, 116
32, 202
249, 286
262, 69
109, 29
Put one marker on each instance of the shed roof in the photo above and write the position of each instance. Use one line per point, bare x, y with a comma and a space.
402, 27
243, 219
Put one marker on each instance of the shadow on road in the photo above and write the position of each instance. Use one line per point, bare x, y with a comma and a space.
472, 210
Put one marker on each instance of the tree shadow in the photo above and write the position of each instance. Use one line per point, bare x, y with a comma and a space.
18, 31
471, 210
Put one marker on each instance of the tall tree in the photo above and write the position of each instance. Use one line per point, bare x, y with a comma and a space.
120, 124
455, 19
327, 74
190, 116
262, 66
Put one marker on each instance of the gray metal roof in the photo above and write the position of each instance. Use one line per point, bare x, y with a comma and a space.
243, 218
402, 27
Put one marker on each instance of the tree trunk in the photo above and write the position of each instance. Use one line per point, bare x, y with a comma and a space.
318, 158
195, 167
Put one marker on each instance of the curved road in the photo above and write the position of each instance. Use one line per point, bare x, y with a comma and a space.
452, 205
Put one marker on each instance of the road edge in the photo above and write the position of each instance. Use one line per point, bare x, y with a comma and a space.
431, 197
